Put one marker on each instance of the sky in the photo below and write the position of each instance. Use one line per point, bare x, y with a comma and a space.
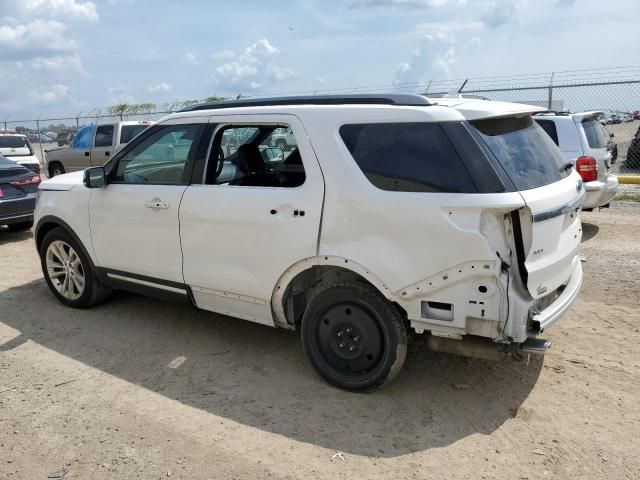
62, 57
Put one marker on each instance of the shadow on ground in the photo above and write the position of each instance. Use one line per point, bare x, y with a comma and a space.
258, 376
589, 230
7, 236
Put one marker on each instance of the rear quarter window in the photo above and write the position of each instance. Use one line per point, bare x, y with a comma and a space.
524, 150
594, 133
549, 126
407, 157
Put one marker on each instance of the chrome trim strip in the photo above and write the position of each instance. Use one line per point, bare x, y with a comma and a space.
147, 284
573, 205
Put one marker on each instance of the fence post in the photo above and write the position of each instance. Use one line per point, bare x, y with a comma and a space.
550, 92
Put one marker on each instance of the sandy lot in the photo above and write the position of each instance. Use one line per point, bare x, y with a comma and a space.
140, 389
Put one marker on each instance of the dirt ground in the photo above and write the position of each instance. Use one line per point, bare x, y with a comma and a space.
136, 388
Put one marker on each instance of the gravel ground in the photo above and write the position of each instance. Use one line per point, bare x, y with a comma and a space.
140, 389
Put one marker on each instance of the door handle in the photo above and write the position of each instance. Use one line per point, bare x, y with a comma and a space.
86, 154
106, 154
157, 204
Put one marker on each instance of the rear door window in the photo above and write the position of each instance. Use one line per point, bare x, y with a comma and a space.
130, 131
524, 150
407, 157
594, 133
104, 136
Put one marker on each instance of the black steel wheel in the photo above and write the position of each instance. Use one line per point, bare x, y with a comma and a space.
354, 337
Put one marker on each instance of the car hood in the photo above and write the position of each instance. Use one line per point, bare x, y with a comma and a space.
55, 151
63, 182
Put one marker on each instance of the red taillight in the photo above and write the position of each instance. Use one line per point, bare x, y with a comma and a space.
587, 167
35, 180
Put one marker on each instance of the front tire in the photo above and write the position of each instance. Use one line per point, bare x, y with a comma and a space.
69, 272
354, 338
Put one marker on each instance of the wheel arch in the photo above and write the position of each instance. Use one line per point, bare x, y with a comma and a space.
48, 223
297, 284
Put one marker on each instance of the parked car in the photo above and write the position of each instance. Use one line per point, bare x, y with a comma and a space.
92, 145
612, 146
632, 160
65, 138
453, 218
39, 138
18, 190
584, 144
17, 147
283, 139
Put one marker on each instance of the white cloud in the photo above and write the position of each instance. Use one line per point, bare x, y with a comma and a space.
190, 58
499, 13
53, 95
120, 94
252, 68
35, 39
223, 55
162, 87
64, 64
66, 9
405, 4
281, 73
432, 60
472, 45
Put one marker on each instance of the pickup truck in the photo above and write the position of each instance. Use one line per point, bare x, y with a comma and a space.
93, 145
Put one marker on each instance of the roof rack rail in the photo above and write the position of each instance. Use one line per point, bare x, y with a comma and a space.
458, 95
405, 99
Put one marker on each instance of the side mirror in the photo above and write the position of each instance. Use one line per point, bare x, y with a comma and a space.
94, 177
611, 135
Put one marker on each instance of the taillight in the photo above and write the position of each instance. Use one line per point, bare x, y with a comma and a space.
35, 180
587, 167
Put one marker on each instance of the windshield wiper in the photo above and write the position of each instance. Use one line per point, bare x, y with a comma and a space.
566, 166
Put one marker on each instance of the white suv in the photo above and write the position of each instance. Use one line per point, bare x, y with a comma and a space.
391, 214
585, 145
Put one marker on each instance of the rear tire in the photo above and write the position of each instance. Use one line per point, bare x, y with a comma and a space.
69, 272
19, 227
354, 338
55, 169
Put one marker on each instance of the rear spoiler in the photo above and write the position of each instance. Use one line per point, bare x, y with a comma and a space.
473, 109
582, 116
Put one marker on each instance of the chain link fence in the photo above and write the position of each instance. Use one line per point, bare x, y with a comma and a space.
613, 91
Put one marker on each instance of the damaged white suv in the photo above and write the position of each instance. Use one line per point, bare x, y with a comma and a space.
454, 218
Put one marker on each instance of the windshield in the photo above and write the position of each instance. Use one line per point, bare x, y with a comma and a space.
13, 141
130, 131
595, 134
525, 151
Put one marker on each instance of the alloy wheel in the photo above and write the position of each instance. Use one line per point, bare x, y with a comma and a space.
65, 270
